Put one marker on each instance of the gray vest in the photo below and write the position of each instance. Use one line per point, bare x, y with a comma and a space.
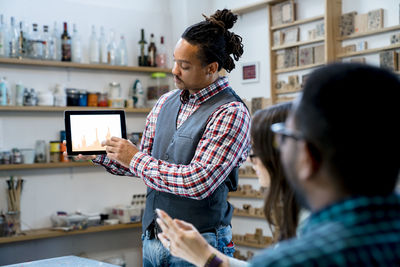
178, 146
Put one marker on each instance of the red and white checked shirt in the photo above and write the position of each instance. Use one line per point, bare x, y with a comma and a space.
225, 144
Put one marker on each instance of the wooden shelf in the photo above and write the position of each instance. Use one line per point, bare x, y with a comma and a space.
7, 167
297, 22
298, 44
62, 109
251, 245
50, 233
236, 194
363, 34
73, 65
249, 216
245, 176
299, 68
250, 8
369, 51
283, 91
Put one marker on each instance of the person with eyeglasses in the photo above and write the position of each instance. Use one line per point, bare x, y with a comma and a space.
280, 207
339, 149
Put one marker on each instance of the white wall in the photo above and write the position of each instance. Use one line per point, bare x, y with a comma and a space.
88, 189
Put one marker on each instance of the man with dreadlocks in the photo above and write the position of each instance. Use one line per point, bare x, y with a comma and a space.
194, 141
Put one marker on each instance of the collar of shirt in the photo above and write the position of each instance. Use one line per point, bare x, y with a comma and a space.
201, 96
354, 210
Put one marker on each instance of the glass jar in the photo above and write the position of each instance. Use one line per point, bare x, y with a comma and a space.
158, 85
40, 151
115, 99
72, 97
83, 96
103, 100
54, 151
114, 90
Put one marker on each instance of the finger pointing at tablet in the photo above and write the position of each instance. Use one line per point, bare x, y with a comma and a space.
120, 149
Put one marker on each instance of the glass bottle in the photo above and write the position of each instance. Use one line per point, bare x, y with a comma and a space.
3, 38
161, 57
111, 49
76, 46
55, 44
122, 52
22, 40
46, 40
142, 58
94, 47
36, 43
13, 39
152, 50
65, 44
4, 92
103, 46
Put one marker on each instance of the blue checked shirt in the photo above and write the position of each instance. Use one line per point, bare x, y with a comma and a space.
359, 231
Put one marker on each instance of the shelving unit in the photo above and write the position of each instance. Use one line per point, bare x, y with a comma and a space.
8, 167
374, 32
62, 109
249, 216
73, 65
51, 233
330, 17
369, 51
251, 245
235, 194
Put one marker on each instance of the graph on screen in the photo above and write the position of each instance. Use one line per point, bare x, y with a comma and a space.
89, 131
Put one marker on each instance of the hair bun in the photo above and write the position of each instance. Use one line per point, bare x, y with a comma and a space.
226, 17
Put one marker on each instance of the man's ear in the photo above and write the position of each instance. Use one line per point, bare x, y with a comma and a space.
212, 67
309, 160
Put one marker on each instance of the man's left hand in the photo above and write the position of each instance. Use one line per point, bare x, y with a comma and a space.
121, 150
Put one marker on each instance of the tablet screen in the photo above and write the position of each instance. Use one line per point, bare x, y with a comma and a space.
86, 130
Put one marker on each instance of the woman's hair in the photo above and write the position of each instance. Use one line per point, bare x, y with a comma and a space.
280, 207
215, 42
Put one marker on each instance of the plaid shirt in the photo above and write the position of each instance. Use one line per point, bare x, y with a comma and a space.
224, 145
359, 231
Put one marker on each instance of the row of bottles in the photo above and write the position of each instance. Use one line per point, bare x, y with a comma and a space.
150, 55
16, 41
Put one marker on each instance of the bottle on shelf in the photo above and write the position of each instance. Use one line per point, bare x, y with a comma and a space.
138, 94
4, 92
46, 40
76, 46
36, 51
55, 44
13, 39
142, 58
111, 49
161, 57
3, 37
122, 55
22, 40
65, 44
103, 46
19, 94
152, 50
93, 47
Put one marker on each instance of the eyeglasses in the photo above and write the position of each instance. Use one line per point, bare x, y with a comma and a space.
281, 133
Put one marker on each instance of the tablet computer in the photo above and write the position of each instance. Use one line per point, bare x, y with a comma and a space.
87, 129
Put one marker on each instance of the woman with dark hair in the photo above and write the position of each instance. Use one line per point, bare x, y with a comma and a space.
281, 209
